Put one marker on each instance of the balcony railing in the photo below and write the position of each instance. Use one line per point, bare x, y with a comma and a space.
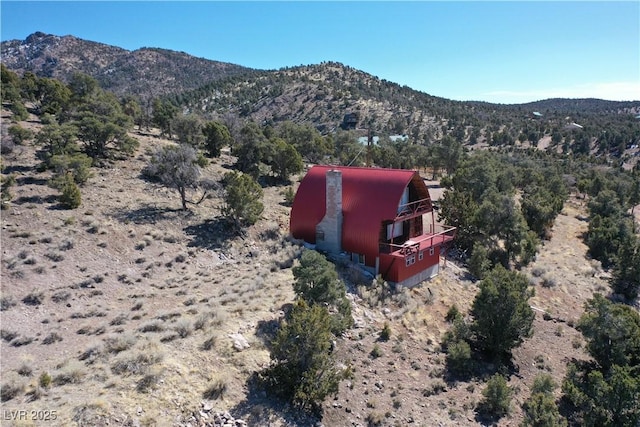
442, 234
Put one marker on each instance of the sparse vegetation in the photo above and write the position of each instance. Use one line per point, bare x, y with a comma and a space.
130, 265
216, 390
70, 374
52, 338
385, 333
10, 390
6, 302
136, 364
33, 298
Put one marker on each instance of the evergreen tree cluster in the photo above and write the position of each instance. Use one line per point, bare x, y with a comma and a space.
493, 226
304, 369
606, 391
84, 126
612, 235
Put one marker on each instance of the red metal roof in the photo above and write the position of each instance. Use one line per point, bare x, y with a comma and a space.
369, 197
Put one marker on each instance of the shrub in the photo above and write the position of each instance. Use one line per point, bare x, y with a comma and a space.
45, 380
288, 195
317, 282
10, 391
6, 182
120, 319
7, 336
385, 333
137, 364
376, 352
209, 344
119, 343
76, 165
434, 389
6, 302
375, 419
153, 326
91, 354
215, 390
183, 328
70, 197
71, 374
54, 256
25, 370
52, 338
201, 322
453, 313
459, 358
147, 382
33, 298
548, 282
496, 400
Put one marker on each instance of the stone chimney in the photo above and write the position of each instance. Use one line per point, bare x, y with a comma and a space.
329, 230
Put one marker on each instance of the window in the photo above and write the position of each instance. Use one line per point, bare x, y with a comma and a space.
421, 256
411, 259
320, 235
431, 251
360, 259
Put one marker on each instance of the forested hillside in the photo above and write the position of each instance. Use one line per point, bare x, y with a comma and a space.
322, 95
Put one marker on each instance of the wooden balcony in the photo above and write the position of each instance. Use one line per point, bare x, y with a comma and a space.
439, 236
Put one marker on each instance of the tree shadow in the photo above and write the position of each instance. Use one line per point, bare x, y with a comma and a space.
485, 419
259, 408
30, 180
17, 169
52, 198
481, 367
266, 330
149, 214
273, 181
213, 234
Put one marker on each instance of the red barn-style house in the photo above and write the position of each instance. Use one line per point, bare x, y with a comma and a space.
382, 219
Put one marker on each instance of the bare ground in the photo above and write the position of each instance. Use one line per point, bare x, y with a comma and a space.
129, 303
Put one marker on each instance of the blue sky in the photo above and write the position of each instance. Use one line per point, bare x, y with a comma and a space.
505, 52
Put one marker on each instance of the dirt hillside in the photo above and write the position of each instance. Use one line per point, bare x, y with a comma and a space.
143, 314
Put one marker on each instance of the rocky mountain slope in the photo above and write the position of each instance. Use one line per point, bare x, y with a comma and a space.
146, 72
327, 93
